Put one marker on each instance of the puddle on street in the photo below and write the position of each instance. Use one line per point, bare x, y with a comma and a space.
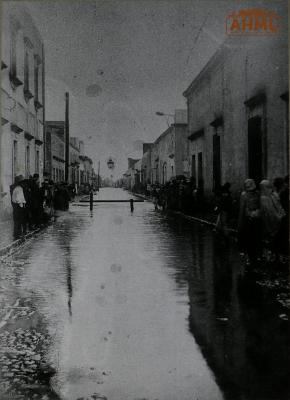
142, 306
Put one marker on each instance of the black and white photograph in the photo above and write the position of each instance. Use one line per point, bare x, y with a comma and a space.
144, 200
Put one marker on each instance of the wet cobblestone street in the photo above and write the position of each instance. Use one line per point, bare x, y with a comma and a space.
120, 305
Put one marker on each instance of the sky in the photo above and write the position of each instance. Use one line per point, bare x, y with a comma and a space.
121, 61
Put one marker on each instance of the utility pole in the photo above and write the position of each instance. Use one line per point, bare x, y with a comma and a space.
98, 175
44, 169
66, 132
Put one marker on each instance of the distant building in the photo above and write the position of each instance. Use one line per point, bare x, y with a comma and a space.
74, 161
169, 155
238, 113
80, 166
86, 170
55, 150
22, 98
146, 163
133, 174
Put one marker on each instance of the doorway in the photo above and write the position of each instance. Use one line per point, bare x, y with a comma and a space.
193, 170
164, 178
255, 149
200, 171
216, 168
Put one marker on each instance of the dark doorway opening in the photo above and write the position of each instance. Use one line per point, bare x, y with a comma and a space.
216, 168
200, 171
255, 149
193, 169
164, 180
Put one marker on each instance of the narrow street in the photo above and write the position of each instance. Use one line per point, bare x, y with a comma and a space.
124, 306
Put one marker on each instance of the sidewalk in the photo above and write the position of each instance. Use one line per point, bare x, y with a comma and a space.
6, 229
7, 241
201, 217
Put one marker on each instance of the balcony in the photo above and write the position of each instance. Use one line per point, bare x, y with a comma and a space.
27, 94
29, 129
38, 132
28, 135
37, 104
15, 128
196, 135
15, 80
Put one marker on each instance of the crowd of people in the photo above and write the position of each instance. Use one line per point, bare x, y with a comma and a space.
35, 204
260, 214
263, 219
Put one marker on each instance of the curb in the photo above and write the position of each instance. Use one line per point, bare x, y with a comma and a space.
203, 221
189, 217
17, 243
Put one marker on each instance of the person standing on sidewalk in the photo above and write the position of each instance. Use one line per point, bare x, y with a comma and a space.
249, 222
19, 208
272, 214
36, 200
224, 207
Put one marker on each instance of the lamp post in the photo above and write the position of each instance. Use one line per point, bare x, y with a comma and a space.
98, 175
66, 137
162, 114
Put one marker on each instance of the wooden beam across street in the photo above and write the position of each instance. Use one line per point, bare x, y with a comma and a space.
112, 201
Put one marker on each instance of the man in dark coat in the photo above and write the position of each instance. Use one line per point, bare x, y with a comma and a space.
19, 207
36, 200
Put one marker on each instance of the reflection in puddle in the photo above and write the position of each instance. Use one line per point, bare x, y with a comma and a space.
146, 306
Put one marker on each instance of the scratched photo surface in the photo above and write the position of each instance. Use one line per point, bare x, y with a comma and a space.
144, 200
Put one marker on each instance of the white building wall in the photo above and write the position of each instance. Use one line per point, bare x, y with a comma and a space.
17, 110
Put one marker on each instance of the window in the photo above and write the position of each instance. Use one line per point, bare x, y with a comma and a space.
216, 155
37, 81
36, 68
28, 77
27, 161
13, 69
164, 173
16, 55
157, 173
14, 160
255, 149
285, 98
37, 162
257, 138
26, 71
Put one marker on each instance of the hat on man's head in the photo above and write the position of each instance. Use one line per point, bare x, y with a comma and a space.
19, 178
35, 176
249, 185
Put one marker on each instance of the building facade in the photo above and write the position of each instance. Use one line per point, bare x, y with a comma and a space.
22, 98
238, 114
146, 163
80, 166
74, 161
169, 156
133, 174
55, 150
